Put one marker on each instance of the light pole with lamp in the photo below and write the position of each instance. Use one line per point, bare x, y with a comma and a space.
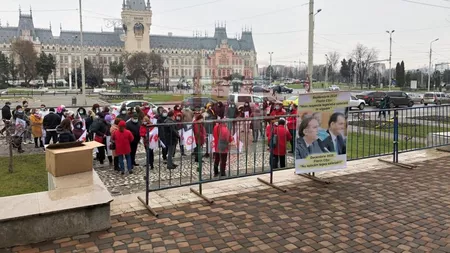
326, 70
429, 64
390, 59
166, 75
271, 69
83, 72
311, 42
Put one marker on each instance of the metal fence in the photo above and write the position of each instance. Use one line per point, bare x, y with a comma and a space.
370, 134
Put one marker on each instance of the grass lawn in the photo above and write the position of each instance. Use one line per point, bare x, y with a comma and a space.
408, 129
365, 145
12, 97
168, 98
29, 175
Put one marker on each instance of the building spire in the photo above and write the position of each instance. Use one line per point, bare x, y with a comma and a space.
31, 12
123, 4
50, 25
148, 5
20, 10
60, 27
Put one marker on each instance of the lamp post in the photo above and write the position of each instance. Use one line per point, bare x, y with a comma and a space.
166, 74
311, 42
326, 70
429, 64
390, 59
271, 69
83, 72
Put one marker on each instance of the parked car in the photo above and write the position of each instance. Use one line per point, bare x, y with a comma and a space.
372, 98
416, 98
282, 89
399, 98
356, 103
240, 99
269, 99
436, 98
195, 103
131, 103
259, 89
334, 88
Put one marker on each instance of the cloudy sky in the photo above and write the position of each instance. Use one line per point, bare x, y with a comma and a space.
278, 26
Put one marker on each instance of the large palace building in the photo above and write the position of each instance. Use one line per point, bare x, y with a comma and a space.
207, 57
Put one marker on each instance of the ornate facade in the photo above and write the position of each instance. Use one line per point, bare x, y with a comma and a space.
208, 57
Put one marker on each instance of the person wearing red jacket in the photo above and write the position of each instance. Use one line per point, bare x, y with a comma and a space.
278, 110
281, 136
292, 124
222, 140
199, 135
143, 133
122, 139
145, 108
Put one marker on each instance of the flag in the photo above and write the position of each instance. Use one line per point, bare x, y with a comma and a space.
236, 140
189, 140
83, 137
21, 125
114, 114
153, 138
62, 118
181, 132
84, 123
108, 142
211, 148
150, 114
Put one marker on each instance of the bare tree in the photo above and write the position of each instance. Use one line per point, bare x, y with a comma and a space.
364, 58
333, 61
144, 64
27, 56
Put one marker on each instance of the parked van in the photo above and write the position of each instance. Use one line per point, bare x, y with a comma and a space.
240, 99
399, 98
436, 98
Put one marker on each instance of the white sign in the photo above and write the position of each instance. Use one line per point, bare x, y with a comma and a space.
414, 84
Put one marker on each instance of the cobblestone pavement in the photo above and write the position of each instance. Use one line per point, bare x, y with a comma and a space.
386, 210
188, 171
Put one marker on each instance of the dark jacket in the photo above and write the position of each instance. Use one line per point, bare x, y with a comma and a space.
161, 120
170, 132
82, 112
65, 135
331, 147
51, 121
6, 112
98, 127
134, 128
210, 125
232, 111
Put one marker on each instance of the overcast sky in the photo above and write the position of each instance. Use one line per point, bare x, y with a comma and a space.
279, 26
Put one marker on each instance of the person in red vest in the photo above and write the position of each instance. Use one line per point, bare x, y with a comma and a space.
145, 108
280, 137
278, 110
222, 140
199, 135
292, 124
143, 133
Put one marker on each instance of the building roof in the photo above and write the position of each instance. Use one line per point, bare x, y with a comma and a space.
104, 39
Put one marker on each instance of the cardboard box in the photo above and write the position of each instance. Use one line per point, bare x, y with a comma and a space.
62, 162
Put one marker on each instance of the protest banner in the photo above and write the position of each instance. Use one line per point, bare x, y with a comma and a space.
189, 140
321, 141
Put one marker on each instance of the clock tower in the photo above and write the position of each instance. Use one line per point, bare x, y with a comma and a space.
136, 20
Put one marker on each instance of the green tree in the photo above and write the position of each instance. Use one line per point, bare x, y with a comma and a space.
116, 69
398, 73
45, 66
4, 68
437, 80
403, 74
446, 76
345, 70
24, 50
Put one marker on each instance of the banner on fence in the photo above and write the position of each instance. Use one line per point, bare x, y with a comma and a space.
189, 141
321, 141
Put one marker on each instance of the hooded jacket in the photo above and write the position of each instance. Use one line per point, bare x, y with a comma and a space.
64, 135
51, 121
6, 112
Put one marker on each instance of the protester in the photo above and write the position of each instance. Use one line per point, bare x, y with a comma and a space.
43, 108
60, 110
256, 123
222, 140
50, 123
122, 139
77, 129
162, 116
146, 123
277, 141
64, 131
231, 114
278, 110
171, 137
95, 109
209, 116
99, 129
292, 124
134, 126
123, 113
114, 128
107, 141
145, 108
6, 115
36, 128
199, 135
180, 128
140, 113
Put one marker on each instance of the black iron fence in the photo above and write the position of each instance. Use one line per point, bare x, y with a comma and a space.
248, 153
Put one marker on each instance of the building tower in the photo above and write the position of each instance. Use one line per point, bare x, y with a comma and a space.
136, 20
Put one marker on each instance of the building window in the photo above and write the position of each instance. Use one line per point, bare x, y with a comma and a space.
66, 71
61, 72
182, 72
176, 72
209, 72
176, 62
190, 72
228, 72
61, 59
173, 71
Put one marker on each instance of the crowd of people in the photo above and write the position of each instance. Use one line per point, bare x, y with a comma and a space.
215, 129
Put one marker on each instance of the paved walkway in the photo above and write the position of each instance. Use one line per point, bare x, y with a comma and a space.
384, 210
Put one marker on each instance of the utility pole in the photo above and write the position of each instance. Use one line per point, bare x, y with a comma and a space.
311, 42
390, 59
326, 70
429, 64
271, 68
83, 72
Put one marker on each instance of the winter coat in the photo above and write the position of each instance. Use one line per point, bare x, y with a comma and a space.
256, 123
134, 128
65, 135
161, 134
283, 136
6, 112
246, 109
279, 112
112, 130
36, 125
51, 121
99, 127
123, 141
292, 121
145, 110
231, 111
143, 133
221, 132
210, 125
171, 135
82, 112
199, 133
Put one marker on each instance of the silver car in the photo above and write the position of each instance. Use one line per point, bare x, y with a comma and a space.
416, 98
436, 98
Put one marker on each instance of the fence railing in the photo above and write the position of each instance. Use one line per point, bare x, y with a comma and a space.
370, 134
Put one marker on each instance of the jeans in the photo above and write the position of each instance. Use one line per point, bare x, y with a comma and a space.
164, 153
134, 146
220, 159
292, 132
150, 157
255, 135
51, 135
116, 163
129, 165
170, 152
281, 159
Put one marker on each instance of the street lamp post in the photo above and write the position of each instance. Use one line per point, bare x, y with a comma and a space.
311, 42
326, 70
271, 69
429, 64
83, 72
390, 59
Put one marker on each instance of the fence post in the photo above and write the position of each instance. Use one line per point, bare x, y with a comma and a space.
395, 147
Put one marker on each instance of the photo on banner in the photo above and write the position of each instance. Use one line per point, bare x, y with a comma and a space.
321, 141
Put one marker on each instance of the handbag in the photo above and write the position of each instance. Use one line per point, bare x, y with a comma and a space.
112, 146
98, 138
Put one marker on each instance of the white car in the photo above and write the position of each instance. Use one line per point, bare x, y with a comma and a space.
131, 103
356, 103
334, 88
